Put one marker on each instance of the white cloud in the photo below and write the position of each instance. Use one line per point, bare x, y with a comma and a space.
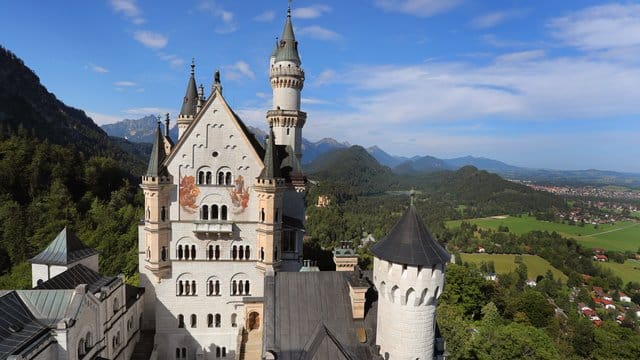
422, 8
318, 32
310, 12
314, 101
173, 60
98, 69
227, 22
266, 16
494, 18
129, 8
600, 27
125, 83
493, 40
325, 77
253, 116
521, 56
151, 39
102, 119
239, 70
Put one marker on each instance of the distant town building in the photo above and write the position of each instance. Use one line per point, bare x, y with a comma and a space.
323, 201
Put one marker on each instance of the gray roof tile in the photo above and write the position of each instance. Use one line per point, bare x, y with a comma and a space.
79, 274
65, 249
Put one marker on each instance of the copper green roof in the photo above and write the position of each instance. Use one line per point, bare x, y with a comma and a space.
155, 167
288, 50
190, 101
65, 249
410, 243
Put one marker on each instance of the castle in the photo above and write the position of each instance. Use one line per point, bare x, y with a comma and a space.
220, 249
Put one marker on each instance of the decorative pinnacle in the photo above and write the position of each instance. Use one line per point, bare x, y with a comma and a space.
289, 9
412, 194
193, 65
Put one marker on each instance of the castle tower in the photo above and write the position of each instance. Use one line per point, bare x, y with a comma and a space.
156, 185
189, 104
269, 188
287, 81
408, 271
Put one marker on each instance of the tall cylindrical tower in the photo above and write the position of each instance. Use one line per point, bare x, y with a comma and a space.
287, 81
408, 271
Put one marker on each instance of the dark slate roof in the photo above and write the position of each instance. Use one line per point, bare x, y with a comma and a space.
410, 243
155, 167
288, 50
79, 274
65, 249
312, 313
18, 328
190, 101
271, 168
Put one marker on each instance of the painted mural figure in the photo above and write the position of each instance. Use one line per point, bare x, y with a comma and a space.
239, 195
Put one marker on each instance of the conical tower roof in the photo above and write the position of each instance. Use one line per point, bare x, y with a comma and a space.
190, 102
288, 50
65, 249
155, 167
271, 164
410, 243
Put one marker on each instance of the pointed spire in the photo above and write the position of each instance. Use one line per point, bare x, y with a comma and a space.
288, 47
271, 169
166, 124
155, 167
191, 96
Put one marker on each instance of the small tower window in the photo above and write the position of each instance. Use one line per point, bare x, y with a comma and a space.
262, 253
287, 131
163, 255
194, 320
163, 213
180, 321
262, 215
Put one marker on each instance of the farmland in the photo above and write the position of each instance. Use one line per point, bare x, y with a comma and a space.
621, 236
629, 271
504, 263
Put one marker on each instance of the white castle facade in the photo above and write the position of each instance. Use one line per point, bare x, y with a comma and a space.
222, 238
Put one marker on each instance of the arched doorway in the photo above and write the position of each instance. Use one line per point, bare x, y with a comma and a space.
253, 321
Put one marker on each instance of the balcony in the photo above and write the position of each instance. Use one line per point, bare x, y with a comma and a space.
213, 226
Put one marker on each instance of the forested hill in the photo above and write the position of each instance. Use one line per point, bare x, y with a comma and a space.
26, 104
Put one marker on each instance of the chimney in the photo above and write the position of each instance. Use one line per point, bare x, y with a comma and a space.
345, 257
357, 293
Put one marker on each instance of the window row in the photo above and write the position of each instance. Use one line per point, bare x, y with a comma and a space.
223, 177
212, 320
189, 252
237, 288
181, 352
214, 212
85, 344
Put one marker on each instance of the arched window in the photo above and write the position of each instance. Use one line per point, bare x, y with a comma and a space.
214, 212
241, 253
227, 178
163, 255
216, 289
221, 178
262, 215
81, 348
218, 351
210, 288
261, 253
184, 353
194, 320
234, 319
187, 287
246, 287
246, 252
116, 305
240, 287
223, 212
201, 177
217, 252
193, 252
186, 252
163, 213
180, 321
224, 351
234, 287
180, 288
234, 252
204, 214
210, 320
218, 320
193, 287
88, 342
210, 252
180, 253
208, 179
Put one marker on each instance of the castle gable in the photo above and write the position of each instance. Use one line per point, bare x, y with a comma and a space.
215, 163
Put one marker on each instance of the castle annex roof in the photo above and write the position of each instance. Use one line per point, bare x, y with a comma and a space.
77, 275
65, 249
410, 242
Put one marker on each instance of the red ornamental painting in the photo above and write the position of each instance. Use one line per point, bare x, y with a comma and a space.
188, 194
239, 196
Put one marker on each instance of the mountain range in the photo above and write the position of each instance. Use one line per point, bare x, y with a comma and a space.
142, 130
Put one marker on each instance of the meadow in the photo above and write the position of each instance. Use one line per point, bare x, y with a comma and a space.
629, 271
621, 236
504, 263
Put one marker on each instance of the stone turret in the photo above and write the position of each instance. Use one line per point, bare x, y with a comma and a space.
408, 271
287, 81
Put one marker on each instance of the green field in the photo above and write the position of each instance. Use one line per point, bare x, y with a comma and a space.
629, 271
504, 263
622, 236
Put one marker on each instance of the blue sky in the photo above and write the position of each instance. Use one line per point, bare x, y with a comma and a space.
551, 84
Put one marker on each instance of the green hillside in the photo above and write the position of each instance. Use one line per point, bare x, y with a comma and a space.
504, 263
